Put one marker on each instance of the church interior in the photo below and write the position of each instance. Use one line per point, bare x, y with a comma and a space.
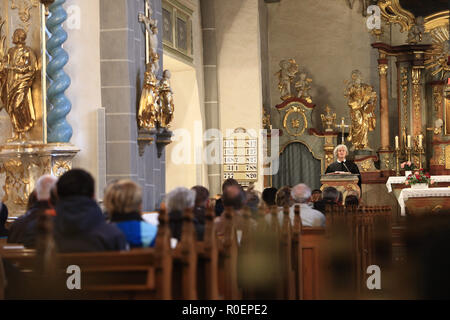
224, 150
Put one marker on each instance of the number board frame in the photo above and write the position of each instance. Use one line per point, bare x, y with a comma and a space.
240, 157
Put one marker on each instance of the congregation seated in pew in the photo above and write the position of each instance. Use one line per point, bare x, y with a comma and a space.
123, 202
23, 230
79, 225
176, 201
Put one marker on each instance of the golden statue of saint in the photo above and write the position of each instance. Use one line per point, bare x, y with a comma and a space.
361, 100
17, 71
149, 102
166, 99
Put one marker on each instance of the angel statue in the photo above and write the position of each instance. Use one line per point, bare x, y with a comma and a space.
286, 74
18, 69
303, 87
362, 101
166, 100
416, 32
149, 107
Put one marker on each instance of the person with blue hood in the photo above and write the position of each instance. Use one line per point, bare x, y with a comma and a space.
80, 225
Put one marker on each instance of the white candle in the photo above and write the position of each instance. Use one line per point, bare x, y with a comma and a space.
409, 141
420, 141
396, 142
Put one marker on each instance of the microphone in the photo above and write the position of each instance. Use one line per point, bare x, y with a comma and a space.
343, 162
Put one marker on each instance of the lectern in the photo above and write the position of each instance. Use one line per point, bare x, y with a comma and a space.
344, 182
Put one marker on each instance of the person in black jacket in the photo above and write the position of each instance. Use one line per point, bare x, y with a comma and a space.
342, 165
23, 230
80, 225
3, 218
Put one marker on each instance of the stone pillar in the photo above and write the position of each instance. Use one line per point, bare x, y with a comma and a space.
211, 89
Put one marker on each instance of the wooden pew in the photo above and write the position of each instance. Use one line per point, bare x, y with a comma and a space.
184, 275
135, 274
208, 260
228, 257
286, 255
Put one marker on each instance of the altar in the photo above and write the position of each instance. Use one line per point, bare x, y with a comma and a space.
419, 201
423, 201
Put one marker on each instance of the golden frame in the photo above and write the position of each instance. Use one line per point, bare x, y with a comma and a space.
301, 111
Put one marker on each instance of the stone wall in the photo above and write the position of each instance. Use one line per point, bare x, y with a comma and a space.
122, 54
329, 40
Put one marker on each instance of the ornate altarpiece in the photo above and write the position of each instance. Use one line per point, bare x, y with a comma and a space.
24, 160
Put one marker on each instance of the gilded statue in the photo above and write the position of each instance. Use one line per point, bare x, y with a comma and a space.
286, 74
17, 71
328, 119
166, 100
149, 107
361, 101
303, 87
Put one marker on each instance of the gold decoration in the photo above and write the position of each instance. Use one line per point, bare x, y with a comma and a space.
15, 182
286, 74
24, 7
382, 69
387, 161
415, 76
149, 104
437, 98
303, 86
377, 33
295, 116
394, 13
436, 58
60, 167
362, 101
365, 165
266, 120
436, 20
404, 87
17, 72
328, 119
166, 98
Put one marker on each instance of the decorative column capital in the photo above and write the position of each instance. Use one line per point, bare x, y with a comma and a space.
382, 69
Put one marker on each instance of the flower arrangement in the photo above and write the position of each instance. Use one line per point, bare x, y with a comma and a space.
408, 166
418, 177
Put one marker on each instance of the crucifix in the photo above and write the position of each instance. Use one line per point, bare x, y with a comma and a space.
342, 126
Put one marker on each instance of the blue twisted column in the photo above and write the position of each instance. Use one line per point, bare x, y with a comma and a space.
58, 129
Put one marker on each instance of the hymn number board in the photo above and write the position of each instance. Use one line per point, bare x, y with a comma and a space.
240, 155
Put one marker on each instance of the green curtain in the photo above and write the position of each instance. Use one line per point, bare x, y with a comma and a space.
297, 165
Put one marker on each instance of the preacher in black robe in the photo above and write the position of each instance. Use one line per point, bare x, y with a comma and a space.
345, 166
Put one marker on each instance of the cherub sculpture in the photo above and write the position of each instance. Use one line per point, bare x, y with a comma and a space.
303, 86
416, 32
286, 74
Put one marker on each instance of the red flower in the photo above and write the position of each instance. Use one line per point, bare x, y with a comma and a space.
417, 176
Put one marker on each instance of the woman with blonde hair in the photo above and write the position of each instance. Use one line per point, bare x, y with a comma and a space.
123, 202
